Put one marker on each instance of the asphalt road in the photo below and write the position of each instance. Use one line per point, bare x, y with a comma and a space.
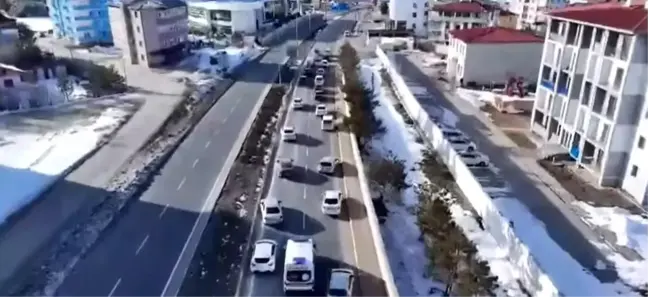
301, 195
137, 256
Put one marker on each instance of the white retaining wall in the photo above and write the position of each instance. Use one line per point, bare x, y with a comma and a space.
534, 279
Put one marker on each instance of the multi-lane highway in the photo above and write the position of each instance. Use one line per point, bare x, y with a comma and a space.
148, 249
337, 239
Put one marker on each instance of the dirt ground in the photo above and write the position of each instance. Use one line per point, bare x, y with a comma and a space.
515, 126
585, 191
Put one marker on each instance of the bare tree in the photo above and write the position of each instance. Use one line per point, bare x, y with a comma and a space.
65, 86
388, 174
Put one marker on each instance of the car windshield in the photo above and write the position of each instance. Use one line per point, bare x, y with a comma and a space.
458, 141
261, 260
337, 292
330, 201
451, 134
298, 276
321, 107
472, 156
288, 130
326, 163
298, 100
273, 210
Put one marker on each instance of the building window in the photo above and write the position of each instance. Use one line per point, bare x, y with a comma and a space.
641, 143
142, 56
414, 5
413, 14
634, 170
135, 13
137, 29
141, 44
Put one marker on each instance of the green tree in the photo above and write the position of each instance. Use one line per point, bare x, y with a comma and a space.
105, 80
476, 278
65, 86
384, 8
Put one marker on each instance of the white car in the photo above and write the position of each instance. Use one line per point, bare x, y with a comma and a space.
319, 80
298, 103
347, 33
264, 256
288, 133
271, 211
328, 165
328, 122
462, 144
332, 203
320, 71
321, 110
451, 133
474, 159
340, 283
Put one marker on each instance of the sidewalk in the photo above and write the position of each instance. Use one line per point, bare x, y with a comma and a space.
534, 187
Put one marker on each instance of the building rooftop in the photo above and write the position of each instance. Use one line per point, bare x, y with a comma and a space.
464, 7
495, 35
615, 15
155, 4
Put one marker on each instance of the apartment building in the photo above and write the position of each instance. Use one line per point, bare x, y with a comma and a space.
82, 22
458, 15
150, 32
591, 96
226, 17
409, 15
532, 13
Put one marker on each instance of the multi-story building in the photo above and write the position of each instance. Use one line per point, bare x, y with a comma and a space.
409, 15
8, 38
226, 17
150, 32
532, 13
83, 22
459, 15
591, 96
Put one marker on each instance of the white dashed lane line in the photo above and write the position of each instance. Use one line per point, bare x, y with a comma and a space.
141, 246
181, 183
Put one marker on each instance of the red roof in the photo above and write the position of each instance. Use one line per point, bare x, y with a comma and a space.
461, 7
495, 35
615, 15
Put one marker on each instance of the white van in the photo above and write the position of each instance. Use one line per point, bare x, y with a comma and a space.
328, 123
299, 265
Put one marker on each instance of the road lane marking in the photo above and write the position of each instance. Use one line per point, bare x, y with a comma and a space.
306, 152
304, 192
194, 163
114, 288
232, 109
181, 183
163, 211
207, 143
346, 190
141, 246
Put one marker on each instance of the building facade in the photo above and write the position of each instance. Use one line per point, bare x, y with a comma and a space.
225, 17
83, 22
532, 13
8, 38
409, 15
150, 32
591, 96
475, 56
459, 15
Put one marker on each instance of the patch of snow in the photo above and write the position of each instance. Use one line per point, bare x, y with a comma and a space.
31, 161
408, 258
631, 231
480, 98
218, 61
38, 25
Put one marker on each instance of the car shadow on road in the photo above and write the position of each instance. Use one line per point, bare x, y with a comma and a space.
307, 140
354, 209
308, 108
298, 223
306, 176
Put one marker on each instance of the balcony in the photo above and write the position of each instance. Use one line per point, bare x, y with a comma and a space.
563, 84
547, 84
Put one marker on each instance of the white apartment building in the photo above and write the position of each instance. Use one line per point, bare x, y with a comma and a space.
532, 13
459, 15
475, 56
150, 32
226, 17
409, 15
591, 96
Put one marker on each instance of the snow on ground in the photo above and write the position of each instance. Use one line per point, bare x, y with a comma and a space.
32, 160
38, 25
217, 61
408, 257
631, 231
480, 98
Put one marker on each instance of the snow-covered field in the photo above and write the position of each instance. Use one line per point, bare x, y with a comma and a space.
408, 258
631, 231
44, 94
32, 157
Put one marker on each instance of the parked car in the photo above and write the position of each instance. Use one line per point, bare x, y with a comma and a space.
462, 144
474, 159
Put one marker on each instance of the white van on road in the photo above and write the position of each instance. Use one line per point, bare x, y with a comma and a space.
299, 265
328, 123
